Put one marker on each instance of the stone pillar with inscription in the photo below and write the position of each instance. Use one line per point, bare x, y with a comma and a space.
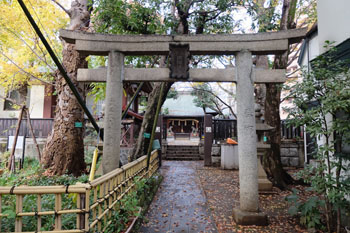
113, 112
248, 212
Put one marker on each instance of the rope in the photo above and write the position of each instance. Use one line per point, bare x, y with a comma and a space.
67, 186
11, 190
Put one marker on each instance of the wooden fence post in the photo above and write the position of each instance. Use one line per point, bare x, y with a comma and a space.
208, 139
82, 215
11, 165
32, 132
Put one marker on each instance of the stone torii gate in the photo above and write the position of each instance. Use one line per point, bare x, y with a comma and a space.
243, 46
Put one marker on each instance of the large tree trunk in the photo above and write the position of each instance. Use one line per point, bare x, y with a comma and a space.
272, 159
142, 143
64, 149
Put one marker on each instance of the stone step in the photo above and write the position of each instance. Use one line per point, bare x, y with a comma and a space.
183, 158
182, 152
182, 155
182, 149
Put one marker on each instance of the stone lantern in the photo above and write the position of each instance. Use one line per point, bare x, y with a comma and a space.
262, 146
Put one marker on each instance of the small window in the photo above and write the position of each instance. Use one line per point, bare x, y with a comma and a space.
18, 96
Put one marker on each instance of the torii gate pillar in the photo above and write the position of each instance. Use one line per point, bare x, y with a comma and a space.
113, 112
248, 213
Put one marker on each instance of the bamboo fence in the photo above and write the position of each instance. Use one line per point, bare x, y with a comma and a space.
95, 201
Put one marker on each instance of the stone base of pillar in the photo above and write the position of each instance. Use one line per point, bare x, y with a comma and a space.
264, 185
249, 218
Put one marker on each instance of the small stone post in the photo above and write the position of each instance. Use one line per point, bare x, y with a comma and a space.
208, 139
247, 214
113, 112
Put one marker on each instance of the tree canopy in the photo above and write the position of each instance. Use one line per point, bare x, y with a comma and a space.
23, 58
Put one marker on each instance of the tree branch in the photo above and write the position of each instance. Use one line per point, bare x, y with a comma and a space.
29, 74
40, 58
64, 9
212, 93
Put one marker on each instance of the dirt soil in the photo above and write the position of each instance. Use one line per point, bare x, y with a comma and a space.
221, 188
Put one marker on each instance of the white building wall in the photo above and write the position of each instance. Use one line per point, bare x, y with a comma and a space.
333, 18
36, 106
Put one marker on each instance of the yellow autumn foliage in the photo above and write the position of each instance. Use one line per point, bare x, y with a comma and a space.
23, 58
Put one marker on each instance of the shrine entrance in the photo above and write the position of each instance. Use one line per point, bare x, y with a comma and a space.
180, 48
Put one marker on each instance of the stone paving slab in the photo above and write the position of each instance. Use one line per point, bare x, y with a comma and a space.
180, 204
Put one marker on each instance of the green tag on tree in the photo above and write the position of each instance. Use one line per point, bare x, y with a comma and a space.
146, 135
78, 124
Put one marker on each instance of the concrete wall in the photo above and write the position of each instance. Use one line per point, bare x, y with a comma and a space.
333, 21
30, 148
36, 104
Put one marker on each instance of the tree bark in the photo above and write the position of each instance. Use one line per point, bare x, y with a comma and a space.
272, 159
147, 123
64, 149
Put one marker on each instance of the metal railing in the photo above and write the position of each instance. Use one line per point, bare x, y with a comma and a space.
91, 203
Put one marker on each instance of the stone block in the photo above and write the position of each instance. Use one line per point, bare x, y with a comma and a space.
249, 218
201, 149
215, 150
124, 154
215, 159
285, 161
294, 162
264, 185
293, 152
284, 151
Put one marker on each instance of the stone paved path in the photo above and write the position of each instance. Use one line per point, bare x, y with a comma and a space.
180, 204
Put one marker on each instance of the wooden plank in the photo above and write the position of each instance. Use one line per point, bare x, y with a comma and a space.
196, 75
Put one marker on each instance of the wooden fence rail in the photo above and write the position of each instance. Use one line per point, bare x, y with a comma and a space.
42, 127
224, 129
88, 206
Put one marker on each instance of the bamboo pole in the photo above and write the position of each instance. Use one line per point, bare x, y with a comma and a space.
44, 189
155, 124
0, 210
32, 132
19, 209
11, 165
87, 210
58, 217
93, 165
38, 203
